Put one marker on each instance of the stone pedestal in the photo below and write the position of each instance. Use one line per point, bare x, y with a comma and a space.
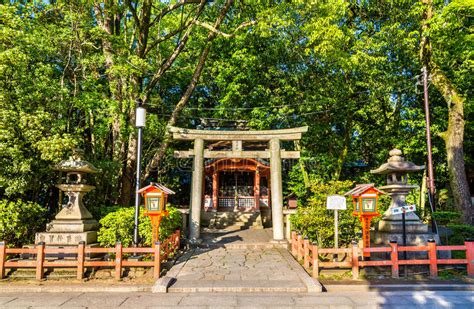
66, 239
391, 226
74, 223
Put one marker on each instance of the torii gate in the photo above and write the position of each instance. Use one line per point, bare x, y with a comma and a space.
274, 153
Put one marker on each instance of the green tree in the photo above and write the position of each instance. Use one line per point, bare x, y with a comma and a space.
437, 50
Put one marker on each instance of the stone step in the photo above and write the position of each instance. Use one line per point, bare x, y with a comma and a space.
221, 220
237, 286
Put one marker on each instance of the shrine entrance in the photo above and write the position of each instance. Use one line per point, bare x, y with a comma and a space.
243, 171
236, 185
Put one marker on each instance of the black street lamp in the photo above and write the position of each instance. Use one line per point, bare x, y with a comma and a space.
140, 116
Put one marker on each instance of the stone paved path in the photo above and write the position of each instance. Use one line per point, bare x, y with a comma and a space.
238, 261
232, 270
362, 300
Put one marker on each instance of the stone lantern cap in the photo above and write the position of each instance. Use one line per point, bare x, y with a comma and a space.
75, 164
396, 163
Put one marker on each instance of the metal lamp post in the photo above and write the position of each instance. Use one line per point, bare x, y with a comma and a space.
140, 115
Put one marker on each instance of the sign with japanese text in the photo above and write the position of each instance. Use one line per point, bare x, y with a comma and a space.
336, 202
403, 209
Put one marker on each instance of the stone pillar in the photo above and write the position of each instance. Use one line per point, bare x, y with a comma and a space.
256, 190
276, 190
215, 192
196, 191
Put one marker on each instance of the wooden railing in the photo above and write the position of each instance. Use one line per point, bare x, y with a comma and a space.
309, 254
159, 252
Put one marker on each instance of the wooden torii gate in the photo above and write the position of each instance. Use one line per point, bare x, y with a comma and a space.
274, 153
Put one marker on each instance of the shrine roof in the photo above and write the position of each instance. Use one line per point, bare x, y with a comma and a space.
256, 160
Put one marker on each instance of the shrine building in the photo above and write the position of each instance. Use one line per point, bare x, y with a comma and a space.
236, 171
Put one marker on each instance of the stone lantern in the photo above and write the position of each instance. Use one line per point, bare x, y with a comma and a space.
74, 223
390, 227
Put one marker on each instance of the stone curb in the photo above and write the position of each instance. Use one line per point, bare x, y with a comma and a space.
397, 287
330, 288
313, 285
73, 288
161, 285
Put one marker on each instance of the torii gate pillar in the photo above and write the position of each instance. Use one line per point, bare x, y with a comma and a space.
196, 191
276, 189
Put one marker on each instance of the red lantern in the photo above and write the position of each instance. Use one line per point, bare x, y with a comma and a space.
155, 196
365, 199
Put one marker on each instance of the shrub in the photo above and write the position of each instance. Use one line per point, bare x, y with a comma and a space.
316, 222
118, 226
446, 217
19, 221
461, 232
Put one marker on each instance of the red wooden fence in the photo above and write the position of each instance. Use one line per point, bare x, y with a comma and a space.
160, 252
309, 253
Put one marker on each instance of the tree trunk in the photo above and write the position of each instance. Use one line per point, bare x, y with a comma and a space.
454, 138
105, 19
128, 173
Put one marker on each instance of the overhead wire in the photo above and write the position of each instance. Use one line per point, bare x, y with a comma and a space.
263, 107
415, 77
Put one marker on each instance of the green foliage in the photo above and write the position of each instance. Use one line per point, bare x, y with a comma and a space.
19, 221
461, 232
445, 199
314, 221
446, 217
348, 69
118, 225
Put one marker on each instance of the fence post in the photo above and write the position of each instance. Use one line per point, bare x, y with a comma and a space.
294, 250
39, 260
80, 259
315, 261
394, 258
433, 258
178, 239
306, 252
118, 260
469, 243
299, 243
355, 260
157, 260
3, 257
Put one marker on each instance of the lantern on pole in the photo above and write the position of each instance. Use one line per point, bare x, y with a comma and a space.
140, 117
365, 199
155, 196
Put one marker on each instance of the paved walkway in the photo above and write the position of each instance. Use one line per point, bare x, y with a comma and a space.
421, 299
243, 261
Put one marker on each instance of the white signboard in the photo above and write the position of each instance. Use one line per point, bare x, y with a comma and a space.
336, 202
403, 209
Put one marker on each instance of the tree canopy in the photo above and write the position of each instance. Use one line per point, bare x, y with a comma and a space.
72, 73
